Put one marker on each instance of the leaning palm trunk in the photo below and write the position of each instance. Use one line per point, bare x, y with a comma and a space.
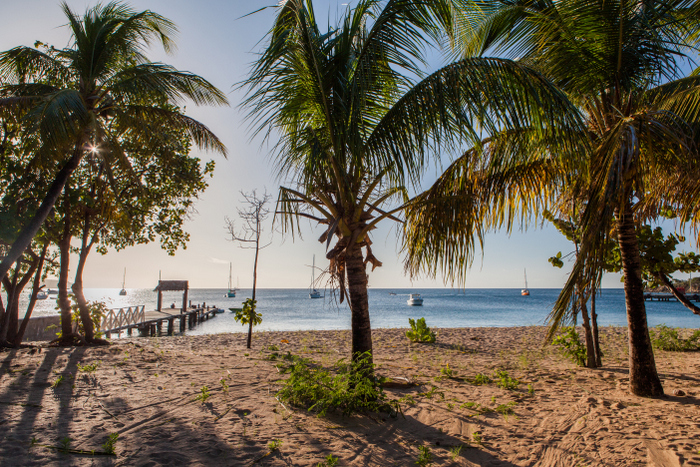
644, 381
359, 303
85, 318
677, 293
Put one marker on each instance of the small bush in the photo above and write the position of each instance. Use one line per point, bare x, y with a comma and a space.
665, 338
420, 332
480, 379
571, 346
110, 443
504, 381
329, 461
353, 388
425, 457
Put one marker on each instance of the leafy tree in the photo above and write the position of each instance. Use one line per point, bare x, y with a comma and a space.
620, 62
657, 261
72, 96
359, 121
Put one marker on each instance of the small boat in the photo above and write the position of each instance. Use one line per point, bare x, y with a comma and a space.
313, 293
525, 292
415, 299
231, 291
123, 290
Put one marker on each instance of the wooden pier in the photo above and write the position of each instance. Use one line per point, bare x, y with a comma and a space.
153, 323
667, 297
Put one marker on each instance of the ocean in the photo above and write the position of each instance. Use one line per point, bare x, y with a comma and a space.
292, 309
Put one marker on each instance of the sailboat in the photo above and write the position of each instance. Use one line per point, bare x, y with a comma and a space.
123, 290
231, 291
313, 293
525, 292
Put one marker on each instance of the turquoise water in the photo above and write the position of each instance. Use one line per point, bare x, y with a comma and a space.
292, 309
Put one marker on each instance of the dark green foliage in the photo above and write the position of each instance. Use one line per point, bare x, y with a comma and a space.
247, 314
570, 345
420, 332
665, 338
349, 389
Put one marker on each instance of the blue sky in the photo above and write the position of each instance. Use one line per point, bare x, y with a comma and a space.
214, 43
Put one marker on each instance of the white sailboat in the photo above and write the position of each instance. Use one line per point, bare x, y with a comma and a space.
231, 291
313, 293
525, 292
123, 290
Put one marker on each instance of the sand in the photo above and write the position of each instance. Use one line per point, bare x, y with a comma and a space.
145, 390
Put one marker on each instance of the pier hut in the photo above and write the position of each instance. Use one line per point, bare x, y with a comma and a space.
173, 286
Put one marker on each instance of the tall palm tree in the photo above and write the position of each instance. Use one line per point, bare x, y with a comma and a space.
620, 64
357, 130
71, 96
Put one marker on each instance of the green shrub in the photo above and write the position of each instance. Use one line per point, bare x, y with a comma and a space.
352, 389
504, 381
425, 457
570, 345
420, 332
480, 379
665, 338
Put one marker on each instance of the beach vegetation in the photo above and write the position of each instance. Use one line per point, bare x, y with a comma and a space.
203, 395
274, 445
667, 338
506, 409
420, 332
69, 101
110, 445
329, 461
425, 457
248, 315
455, 451
480, 379
476, 436
505, 381
249, 236
530, 390
358, 122
350, 388
570, 345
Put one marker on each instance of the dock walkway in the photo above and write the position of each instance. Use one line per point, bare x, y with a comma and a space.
667, 297
151, 323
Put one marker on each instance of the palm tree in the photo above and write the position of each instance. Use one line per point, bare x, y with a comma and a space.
356, 130
72, 96
620, 63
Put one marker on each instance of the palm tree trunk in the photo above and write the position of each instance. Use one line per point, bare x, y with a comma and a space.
644, 380
77, 288
586, 322
594, 325
359, 304
25, 237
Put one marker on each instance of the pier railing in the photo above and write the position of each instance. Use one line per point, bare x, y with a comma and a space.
119, 317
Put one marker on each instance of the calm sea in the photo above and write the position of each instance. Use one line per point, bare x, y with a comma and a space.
292, 309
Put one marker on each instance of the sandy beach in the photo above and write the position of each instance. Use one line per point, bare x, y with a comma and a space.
146, 389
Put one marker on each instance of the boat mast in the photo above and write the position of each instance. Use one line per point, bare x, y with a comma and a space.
525, 274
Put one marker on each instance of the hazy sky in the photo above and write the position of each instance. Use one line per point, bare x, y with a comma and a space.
214, 43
